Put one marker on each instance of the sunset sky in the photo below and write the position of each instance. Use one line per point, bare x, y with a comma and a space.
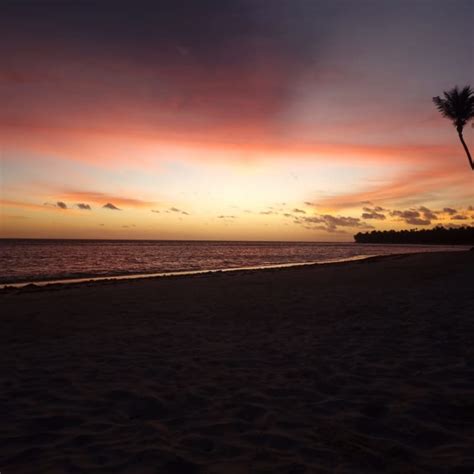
243, 120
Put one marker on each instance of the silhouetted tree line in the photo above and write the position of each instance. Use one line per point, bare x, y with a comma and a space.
438, 235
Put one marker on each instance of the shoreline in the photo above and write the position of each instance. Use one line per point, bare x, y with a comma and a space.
37, 284
183, 273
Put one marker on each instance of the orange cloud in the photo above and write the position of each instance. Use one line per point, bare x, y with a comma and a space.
56, 206
25, 205
104, 198
114, 145
411, 185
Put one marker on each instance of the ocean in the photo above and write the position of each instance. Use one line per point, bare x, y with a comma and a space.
32, 261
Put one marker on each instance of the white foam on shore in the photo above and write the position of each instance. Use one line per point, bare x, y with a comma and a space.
178, 273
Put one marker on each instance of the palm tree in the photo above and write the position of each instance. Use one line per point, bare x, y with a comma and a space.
458, 105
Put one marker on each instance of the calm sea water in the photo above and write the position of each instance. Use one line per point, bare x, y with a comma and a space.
46, 260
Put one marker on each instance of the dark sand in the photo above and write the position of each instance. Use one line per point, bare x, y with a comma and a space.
356, 367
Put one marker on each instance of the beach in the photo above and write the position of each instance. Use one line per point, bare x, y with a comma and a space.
364, 366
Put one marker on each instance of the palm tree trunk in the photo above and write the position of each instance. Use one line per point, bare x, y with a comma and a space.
466, 149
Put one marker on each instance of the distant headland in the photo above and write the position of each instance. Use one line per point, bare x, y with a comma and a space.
439, 235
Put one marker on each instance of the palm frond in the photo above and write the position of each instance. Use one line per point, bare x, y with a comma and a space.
457, 105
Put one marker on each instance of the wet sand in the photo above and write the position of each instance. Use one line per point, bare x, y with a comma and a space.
353, 367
